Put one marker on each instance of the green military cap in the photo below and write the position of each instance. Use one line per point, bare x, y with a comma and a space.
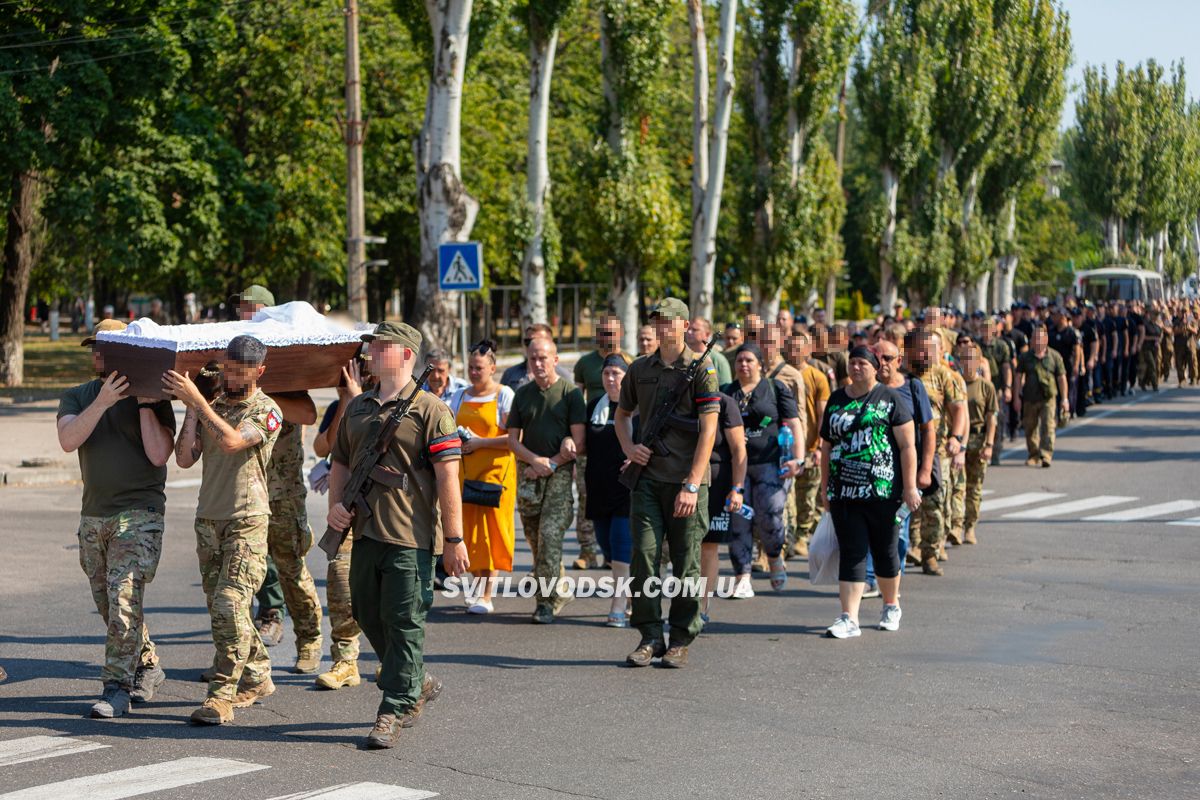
101, 326
670, 308
257, 295
397, 333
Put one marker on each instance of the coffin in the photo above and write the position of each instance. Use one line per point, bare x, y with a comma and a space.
305, 350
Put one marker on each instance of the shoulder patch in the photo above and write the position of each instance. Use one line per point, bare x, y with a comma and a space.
273, 421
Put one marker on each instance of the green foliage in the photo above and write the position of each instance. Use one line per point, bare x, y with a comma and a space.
1109, 142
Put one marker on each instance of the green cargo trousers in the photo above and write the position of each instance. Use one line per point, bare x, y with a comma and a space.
653, 520
391, 590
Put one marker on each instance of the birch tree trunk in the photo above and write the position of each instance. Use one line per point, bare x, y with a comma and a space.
887, 280
1112, 238
981, 298
1195, 228
705, 260
1008, 263
537, 179
699, 153
24, 194
1160, 251
445, 209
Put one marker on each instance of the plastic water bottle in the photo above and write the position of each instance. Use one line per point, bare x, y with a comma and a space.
745, 512
902, 514
786, 442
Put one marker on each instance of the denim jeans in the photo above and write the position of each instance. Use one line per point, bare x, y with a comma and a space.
902, 546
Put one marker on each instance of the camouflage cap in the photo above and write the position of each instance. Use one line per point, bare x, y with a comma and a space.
257, 295
102, 326
397, 333
670, 308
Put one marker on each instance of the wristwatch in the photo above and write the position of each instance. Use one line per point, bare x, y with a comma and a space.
453, 540
738, 489
691, 488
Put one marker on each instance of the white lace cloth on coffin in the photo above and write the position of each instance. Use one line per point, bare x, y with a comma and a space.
276, 326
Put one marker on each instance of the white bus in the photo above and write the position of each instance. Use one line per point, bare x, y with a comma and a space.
1118, 283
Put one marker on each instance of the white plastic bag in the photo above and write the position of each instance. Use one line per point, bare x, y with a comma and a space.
823, 554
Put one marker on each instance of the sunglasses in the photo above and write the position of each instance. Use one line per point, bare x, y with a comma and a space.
734, 325
485, 347
888, 359
527, 341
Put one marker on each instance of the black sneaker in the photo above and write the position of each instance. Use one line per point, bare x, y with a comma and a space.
145, 681
113, 703
383, 736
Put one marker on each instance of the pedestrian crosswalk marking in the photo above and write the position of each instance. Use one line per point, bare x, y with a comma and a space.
1069, 507
361, 791
1193, 522
1025, 499
138, 780
35, 748
1146, 512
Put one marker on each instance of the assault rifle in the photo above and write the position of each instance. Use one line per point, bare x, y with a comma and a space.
361, 482
660, 418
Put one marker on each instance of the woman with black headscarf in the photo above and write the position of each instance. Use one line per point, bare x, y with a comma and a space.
868, 468
767, 407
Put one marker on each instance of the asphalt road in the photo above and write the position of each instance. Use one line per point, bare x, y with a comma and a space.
1055, 659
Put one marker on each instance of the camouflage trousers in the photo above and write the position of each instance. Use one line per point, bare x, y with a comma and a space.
1148, 367
233, 563
545, 508
289, 538
343, 630
976, 470
928, 528
119, 555
956, 501
584, 530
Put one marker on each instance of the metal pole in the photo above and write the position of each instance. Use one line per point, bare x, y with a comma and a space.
356, 274
462, 329
575, 323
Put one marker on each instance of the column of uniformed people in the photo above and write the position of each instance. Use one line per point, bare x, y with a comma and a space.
784, 421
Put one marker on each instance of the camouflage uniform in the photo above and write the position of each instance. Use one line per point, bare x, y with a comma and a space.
928, 528
232, 520
982, 402
545, 508
120, 554
957, 497
289, 538
343, 630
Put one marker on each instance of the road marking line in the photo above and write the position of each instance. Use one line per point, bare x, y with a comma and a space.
360, 791
1088, 419
138, 780
1173, 507
35, 748
1026, 499
1070, 507
184, 483
986, 492
1193, 522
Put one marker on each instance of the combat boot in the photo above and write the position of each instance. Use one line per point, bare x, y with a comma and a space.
930, 567
270, 627
969, 536
214, 711
113, 703
800, 548
249, 695
147, 678
954, 538
308, 659
645, 653
383, 736
343, 673
431, 687
675, 657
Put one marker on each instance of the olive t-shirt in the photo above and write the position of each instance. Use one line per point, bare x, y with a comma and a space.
545, 416
235, 485
981, 404
117, 475
407, 512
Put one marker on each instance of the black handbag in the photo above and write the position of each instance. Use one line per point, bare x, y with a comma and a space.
482, 493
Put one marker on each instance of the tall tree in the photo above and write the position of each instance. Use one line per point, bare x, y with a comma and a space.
710, 143
542, 19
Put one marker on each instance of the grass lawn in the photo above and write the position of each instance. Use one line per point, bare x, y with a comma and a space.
50, 367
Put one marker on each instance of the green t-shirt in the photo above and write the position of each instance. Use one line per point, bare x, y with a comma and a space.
589, 373
545, 416
234, 485
724, 371
117, 475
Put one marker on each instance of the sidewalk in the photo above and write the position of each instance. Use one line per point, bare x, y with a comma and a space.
31, 455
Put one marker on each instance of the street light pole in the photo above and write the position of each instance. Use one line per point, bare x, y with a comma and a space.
352, 131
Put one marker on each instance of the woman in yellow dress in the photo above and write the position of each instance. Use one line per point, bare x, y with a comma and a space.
482, 409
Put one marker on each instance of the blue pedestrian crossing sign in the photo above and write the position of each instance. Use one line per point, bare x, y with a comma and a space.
460, 266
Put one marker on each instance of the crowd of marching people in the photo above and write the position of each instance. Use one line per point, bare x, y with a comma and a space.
782, 433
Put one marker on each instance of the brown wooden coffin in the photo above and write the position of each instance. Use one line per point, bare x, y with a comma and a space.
293, 368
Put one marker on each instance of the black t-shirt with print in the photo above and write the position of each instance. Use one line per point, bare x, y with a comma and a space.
730, 416
864, 460
763, 411
606, 496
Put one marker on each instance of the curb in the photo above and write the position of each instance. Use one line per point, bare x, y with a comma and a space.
38, 477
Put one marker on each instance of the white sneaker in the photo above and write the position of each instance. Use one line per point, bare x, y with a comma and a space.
890, 619
843, 628
744, 590
870, 591
481, 606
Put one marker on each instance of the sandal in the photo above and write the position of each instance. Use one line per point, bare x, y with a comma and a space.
779, 574
617, 619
